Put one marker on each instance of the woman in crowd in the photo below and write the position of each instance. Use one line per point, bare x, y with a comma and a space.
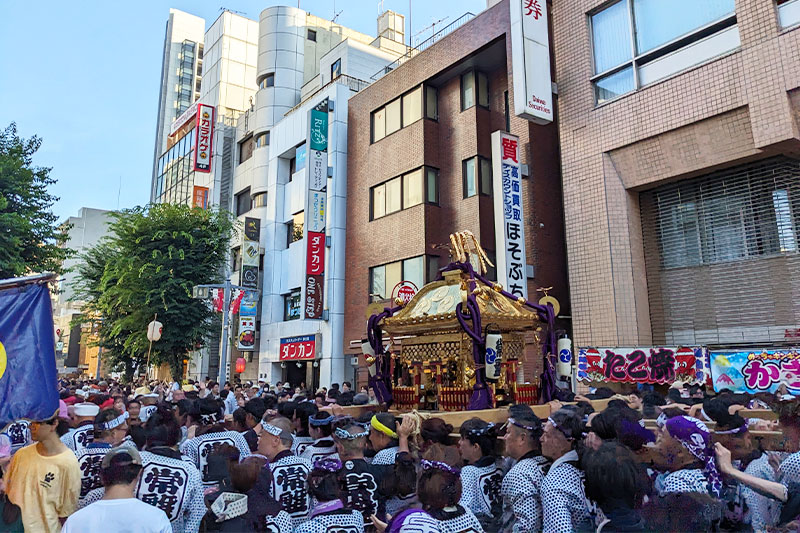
329, 510
439, 490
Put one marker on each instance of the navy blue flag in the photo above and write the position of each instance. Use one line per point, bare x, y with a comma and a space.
28, 386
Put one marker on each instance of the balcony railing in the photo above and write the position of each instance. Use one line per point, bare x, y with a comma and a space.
414, 50
354, 84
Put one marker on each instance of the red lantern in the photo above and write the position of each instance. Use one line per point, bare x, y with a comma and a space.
240, 365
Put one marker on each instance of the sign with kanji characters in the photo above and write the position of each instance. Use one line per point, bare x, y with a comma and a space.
756, 371
315, 258
658, 364
530, 61
204, 135
164, 486
200, 197
246, 341
298, 348
405, 290
315, 210
509, 219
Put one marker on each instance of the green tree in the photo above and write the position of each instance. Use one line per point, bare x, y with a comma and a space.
148, 264
30, 238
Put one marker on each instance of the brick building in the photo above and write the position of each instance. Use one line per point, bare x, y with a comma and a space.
419, 168
679, 138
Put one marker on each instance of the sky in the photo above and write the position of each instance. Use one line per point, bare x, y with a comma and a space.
84, 77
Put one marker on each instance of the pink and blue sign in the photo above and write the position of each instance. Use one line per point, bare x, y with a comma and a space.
658, 365
756, 371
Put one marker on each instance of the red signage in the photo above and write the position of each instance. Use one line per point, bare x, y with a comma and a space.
314, 296
205, 138
298, 348
405, 290
315, 258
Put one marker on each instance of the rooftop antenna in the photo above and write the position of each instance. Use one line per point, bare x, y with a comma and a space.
430, 26
335, 14
380, 7
242, 13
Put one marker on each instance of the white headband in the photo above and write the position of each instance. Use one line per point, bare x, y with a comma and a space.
111, 424
272, 430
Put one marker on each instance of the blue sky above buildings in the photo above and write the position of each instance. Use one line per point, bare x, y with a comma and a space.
84, 76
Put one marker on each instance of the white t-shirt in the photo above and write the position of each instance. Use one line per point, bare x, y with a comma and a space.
127, 515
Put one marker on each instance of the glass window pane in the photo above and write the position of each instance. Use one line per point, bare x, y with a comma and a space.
658, 22
467, 90
379, 124
783, 216
412, 188
394, 275
486, 176
378, 201
378, 282
611, 36
483, 90
412, 106
433, 268
432, 187
393, 195
413, 271
431, 109
614, 85
393, 116
300, 157
469, 178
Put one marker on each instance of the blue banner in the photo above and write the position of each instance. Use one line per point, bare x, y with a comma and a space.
28, 386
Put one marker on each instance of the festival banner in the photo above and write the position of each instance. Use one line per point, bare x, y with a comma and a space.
756, 371
28, 387
658, 364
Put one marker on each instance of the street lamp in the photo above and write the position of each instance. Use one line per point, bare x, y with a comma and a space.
203, 292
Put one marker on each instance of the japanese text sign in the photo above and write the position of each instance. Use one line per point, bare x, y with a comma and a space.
509, 221
315, 213
298, 348
756, 371
530, 57
315, 259
314, 296
204, 138
247, 333
315, 210
200, 197
656, 364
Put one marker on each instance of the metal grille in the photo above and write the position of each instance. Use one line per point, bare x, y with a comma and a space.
721, 253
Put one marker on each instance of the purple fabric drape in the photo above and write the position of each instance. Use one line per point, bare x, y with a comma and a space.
381, 383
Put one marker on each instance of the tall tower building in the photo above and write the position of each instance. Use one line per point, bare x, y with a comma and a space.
181, 72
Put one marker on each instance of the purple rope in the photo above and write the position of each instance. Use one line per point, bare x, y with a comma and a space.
381, 383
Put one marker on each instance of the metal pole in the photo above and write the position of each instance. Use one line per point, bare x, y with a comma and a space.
223, 358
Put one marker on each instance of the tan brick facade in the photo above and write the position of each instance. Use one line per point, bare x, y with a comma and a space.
444, 144
734, 108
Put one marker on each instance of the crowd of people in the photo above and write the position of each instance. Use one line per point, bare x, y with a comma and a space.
164, 457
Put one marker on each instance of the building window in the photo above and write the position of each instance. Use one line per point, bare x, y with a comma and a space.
477, 176
472, 91
291, 305
418, 270
410, 189
267, 81
243, 202
246, 148
637, 42
262, 139
300, 155
431, 102
236, 259
312, 35
789, 13
294, 229
336, 69
259, 200
403, 111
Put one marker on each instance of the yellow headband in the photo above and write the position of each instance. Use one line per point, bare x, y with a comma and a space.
376, 424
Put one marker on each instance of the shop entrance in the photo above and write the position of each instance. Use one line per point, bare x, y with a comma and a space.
295, 373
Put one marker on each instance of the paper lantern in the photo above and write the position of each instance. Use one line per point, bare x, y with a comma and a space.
240, 365
154, 330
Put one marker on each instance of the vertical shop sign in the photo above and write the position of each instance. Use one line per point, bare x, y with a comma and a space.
315, 214
530, 61
204, 143
250, 252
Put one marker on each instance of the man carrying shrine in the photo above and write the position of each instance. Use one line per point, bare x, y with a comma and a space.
211, 434
83, 432
110, 427
289, 472
319, 427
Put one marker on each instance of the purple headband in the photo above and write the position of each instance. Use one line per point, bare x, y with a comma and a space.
438, 465
328, 464
695, 437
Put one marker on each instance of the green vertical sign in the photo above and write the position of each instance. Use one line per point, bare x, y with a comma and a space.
319, 130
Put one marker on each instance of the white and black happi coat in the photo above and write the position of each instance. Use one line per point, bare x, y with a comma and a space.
386, 456
300, 443
280, 523
290, 485
339, 521
320, 449
361, 483
79, 437
89, 459
480, 492
521, 492
170, 483
199, 448
19, 433
457, 520
564, 502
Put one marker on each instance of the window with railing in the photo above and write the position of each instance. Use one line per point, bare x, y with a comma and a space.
638, 42
405, 191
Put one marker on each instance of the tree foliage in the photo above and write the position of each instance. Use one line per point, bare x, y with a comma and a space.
147, 265
30, 238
